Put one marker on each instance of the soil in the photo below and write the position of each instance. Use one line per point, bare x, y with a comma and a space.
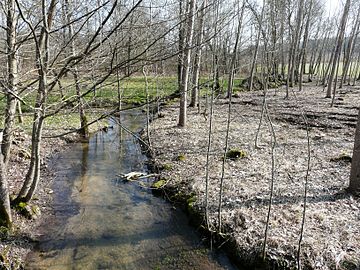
331, 237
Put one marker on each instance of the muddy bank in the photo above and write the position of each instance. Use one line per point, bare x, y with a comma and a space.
331, 239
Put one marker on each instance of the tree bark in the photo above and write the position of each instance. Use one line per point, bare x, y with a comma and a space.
11, 82
354, 186
295, 44
339, 43
5, 211
304, 46
255, 55
186, 62
42, 56
314, 53
83, 131
197, 63
180, 66
19, 111
350, 48
235, 51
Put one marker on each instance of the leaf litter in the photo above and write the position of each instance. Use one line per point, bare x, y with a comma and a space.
332, 227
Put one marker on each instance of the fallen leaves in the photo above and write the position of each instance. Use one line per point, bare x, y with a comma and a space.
332, 229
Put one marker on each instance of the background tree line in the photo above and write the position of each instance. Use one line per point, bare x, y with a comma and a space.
59, 55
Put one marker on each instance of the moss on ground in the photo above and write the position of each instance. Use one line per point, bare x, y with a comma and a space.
235, 154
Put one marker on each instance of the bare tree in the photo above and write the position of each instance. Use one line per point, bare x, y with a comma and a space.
303, 52
257, 44
11, 87
229, 95
338, 46
180, 66
197, 61
84, 132
294, 46
349, 51
12, 80
186, 62
42, 60
235, 51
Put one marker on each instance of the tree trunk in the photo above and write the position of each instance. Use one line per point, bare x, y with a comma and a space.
255, 55
33, 174
84, 132
11, 83
295, 44
354, 186
42, 57
282, 32
317, 66
234, 53
339, 43
180, 66
19, 111
354, 72
304, 46
313, 54
350, 48
5, 211
186, 62
196, 70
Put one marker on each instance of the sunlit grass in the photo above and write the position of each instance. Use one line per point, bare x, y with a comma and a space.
133, 91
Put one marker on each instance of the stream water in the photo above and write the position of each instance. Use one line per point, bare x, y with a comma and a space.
102, 222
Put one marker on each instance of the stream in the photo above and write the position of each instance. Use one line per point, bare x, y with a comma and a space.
103, 222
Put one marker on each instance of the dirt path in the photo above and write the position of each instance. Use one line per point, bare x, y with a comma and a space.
332, 235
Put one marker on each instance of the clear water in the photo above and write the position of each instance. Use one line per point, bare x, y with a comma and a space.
102, 222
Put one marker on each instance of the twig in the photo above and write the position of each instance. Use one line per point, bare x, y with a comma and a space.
306, 184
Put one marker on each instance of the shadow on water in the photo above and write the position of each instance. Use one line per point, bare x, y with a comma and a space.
103, 223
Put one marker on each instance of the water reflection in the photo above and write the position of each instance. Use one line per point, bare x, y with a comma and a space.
103, 223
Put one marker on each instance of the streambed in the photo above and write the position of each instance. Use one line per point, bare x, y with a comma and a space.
102, 222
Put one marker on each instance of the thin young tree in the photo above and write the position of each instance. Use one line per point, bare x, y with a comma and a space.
11, 92
12, 79
42, 59
198, 52
338, 46
181, 45
186, 62
294, 47
235, 51
303, 52
257, 43
83, 131
229, 96
349, 51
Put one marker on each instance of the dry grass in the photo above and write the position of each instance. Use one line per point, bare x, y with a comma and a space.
332, 230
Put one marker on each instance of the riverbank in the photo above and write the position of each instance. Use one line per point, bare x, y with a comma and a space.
15, 246
331, 238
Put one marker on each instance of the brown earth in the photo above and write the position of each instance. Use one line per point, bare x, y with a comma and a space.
332, 225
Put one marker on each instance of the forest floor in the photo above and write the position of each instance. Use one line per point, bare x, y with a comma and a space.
332, 226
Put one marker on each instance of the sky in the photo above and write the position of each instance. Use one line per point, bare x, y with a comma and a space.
333, 6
